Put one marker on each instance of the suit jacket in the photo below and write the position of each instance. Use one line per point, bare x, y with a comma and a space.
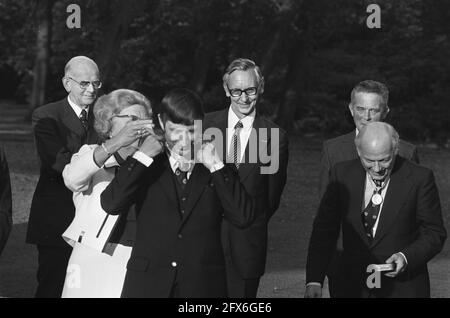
343, 148
410, 222
173, 245
58, 135
5, 201
248, 247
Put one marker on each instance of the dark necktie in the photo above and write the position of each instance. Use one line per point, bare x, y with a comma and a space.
181, 178
83, 119
370, 213
236, 144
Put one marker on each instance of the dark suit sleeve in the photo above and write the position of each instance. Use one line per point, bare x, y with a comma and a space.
51, 146
238, 205
325, 233
324, 174
5, 201
277, 181
123, 190
431, 233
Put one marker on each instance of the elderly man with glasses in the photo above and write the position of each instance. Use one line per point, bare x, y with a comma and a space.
60, 129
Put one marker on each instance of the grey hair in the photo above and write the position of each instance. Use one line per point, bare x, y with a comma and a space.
112, 104
369, 86
80, 58
242, 64
395, 138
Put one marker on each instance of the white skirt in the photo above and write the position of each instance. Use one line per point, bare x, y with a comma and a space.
92, 274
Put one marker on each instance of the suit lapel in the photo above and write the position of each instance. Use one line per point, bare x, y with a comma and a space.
199, 179
356, 192
166, 180
398, 189
70, 119
258, 143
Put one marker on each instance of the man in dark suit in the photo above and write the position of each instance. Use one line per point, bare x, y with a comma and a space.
180, 207
389, 211
246, 139
60, 129
368, 103
5, 201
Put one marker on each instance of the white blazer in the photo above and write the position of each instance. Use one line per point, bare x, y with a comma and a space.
92, 225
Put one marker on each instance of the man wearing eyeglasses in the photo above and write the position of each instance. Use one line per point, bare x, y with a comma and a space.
368, 103
60, 129
241, 125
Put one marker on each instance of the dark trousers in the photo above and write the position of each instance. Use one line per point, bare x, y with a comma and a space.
237, 286
52, 269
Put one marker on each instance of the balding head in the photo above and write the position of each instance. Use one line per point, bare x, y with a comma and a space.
81, 80
79, 64
377, 145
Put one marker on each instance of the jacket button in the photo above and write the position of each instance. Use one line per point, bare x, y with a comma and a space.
174, 264
183, 199
182, 211
180, 236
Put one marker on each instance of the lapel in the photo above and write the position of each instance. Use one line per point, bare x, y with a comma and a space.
348, 146
70, 119
257, 142
356, 185
199, 179
396, 194
166, 179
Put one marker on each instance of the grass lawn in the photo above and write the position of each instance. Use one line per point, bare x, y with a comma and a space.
289, 228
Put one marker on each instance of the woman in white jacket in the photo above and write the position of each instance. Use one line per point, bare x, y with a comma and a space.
97, 265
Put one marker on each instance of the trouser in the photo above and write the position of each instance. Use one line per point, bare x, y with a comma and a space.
237, 286
52, 262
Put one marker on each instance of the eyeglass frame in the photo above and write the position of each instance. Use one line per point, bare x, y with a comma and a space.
243, 91
82, 83
132, 117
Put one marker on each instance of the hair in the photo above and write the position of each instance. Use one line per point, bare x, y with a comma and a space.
395, 138
112, 104
242, 64
78, 59
369, 86
181, 106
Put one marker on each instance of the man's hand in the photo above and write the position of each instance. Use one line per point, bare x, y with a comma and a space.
152, 145
400, 264
313, 291
208, 155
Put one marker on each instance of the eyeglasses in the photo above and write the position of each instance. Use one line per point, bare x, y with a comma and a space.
236, 92
85, 84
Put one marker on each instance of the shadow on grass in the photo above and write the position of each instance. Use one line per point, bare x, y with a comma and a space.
18, 265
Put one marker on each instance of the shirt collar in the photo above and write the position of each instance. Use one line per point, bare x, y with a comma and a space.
77, 109
247, 121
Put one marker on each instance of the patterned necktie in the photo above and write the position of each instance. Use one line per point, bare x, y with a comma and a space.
370, 213
237, 144
83, 119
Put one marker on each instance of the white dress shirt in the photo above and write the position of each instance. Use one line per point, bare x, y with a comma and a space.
77, 109
368, 192
244, 134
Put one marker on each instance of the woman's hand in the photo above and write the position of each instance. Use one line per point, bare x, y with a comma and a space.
131, 132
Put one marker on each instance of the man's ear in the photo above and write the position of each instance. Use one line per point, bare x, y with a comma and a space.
261, 86
350, 107
160, 122
65, 81
225, 88
386, 112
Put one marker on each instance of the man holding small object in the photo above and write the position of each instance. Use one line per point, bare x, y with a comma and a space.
390, 213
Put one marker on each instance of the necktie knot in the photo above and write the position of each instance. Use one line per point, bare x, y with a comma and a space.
238, 125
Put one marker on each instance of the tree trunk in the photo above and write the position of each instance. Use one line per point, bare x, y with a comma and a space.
41, 64
123, 14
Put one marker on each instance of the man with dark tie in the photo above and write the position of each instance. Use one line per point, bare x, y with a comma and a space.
60, 129
181, 204
5, 201
389, 211
247, 135
368, 103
